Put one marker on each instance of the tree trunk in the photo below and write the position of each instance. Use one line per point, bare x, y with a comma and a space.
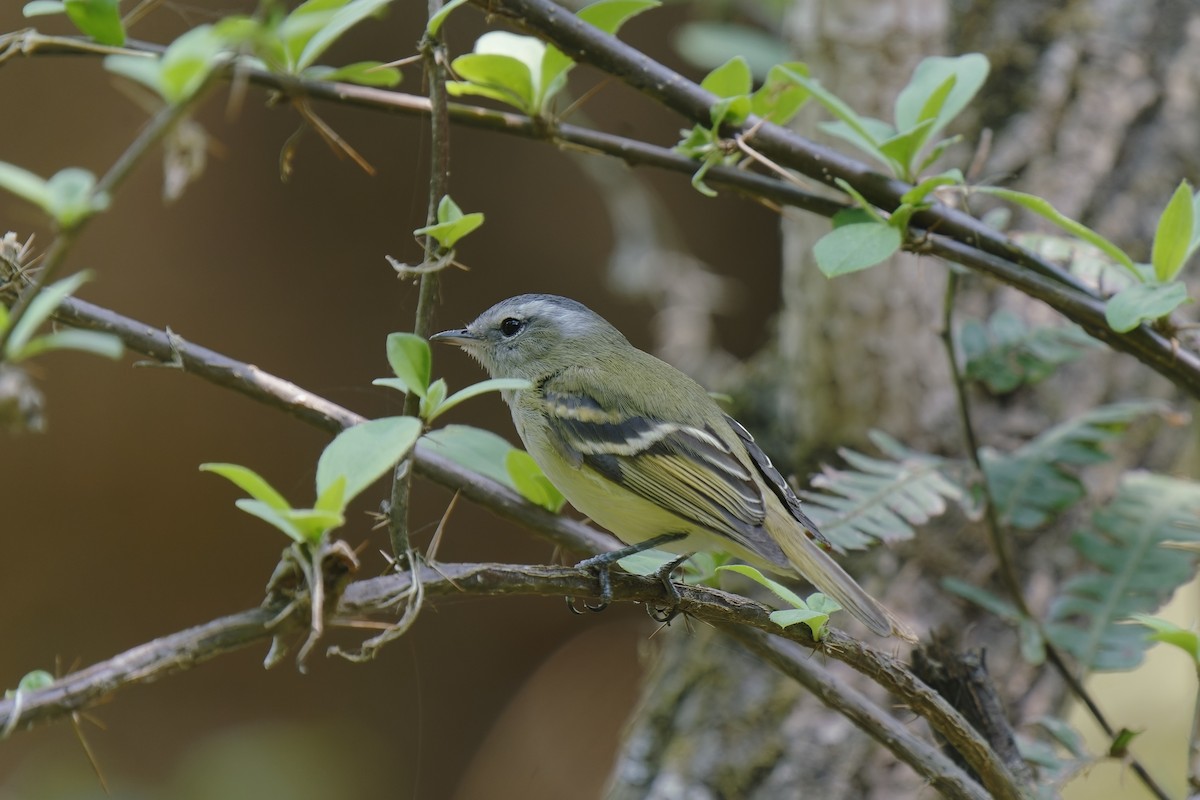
1094, 106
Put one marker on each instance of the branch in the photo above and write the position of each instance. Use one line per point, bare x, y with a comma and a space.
376, 596
170, 349
942, 231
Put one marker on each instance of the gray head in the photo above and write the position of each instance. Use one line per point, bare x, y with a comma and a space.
531, 335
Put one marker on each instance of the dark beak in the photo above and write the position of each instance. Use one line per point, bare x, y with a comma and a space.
459, 337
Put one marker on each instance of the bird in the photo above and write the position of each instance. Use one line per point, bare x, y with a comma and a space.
643, 450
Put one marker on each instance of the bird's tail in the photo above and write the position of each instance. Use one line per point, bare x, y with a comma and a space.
827, 575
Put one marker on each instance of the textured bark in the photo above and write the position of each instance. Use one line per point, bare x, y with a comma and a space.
1094, 106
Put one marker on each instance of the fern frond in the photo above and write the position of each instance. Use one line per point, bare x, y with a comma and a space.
1133, 572
879, 498
1038, 479
1006, 353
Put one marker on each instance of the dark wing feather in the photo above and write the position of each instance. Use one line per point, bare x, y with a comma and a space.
775, 480
687, 470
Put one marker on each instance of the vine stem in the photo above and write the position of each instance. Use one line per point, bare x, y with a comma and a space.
999, 543
433, 53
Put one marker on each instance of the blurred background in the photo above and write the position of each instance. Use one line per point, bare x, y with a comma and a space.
112, 537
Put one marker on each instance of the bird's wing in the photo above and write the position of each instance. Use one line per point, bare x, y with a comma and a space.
686, 470
772, 477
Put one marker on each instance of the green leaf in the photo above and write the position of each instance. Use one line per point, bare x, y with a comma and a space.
1143, 302
610, 15
73, 197
926, 95
855, 247
94, 342
1039, 479
778, 589
452, 224
341, 21
188, 62
363, 453
99, 19
709, 44
476, 389
272, 516
40, 309
411, 360
433, 399
646, 562
437, 20
1131, 572
333, 499
879, 499
34, 680
1043, 208
1166, 631
902, 148
39, 8
780, 98
480, 451
505, 67
363, 73
1174, 234
313, 523
815, 620
146, 70
249, 482
531, 482
25, 184
731, 79
299, 27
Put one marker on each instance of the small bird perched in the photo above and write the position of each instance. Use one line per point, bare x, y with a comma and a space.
641, 448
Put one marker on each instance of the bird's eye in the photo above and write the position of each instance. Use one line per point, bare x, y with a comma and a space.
511, 326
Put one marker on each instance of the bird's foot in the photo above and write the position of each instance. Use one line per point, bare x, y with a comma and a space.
601, 564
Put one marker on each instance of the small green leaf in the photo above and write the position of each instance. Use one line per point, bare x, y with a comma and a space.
363, 453
39, 8
1173, 236
1044, 209
333, 499
271, 516
1165, 631
480, 451
782, 592
95, 342
431, 403
476, 389
1119, 747
506, 67
610, 15
646, 562
926, 97
448, 234
341, 21
437, 20
531, 482
73, 197
363, 73
815, 620
411, 360
855, 247
188, 62
249, 482
731, 79
301, 25
41, 308
917, 194
146, 70
34, 680
1143, 302
26, 185
313, 523
99, 19
780, 98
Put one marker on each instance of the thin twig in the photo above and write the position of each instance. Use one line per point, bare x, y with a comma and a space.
999, 542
